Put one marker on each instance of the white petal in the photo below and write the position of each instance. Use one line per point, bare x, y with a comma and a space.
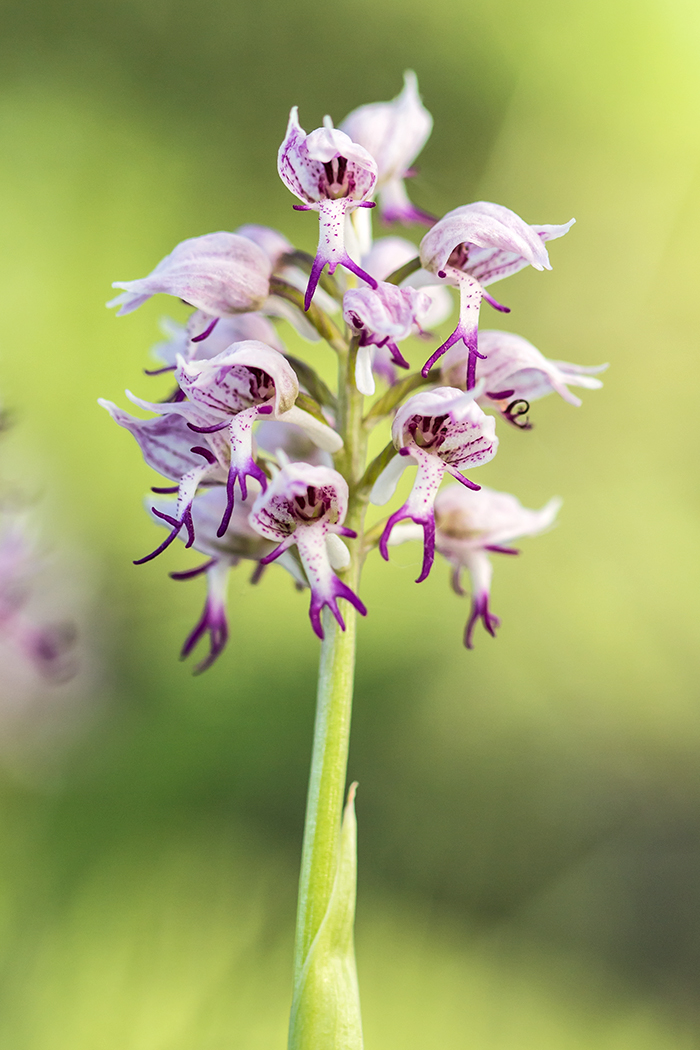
385, 485
364, 379
338, 553
321, 434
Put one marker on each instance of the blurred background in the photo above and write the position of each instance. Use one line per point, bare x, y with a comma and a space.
530, 811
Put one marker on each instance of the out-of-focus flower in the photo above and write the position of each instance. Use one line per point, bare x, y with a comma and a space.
514, 372
239, 542
227, 393
306, 506
394, 133
332, 175
47, 647
382, 316
219, 273
471, 525
441, 430
473, 246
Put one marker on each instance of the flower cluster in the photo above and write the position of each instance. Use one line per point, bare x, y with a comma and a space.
264, 461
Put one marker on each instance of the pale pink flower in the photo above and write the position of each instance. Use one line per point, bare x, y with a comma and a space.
219, 273
332, 175
394, 133
472, 525
442, 430
514, 373
306, 506
473, 246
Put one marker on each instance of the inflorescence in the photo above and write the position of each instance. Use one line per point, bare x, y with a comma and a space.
248, 436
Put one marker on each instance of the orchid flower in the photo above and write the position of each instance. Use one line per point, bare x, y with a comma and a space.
306, 506
473, 246
515, 372
471, 526
394, 133
382, 316
219, 273
223, 553
332, 175
186, 340
229, 392
388, 254
442, 430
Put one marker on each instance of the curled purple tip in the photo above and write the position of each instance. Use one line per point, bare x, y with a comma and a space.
207, 331
351, 265
494, 303
480, 611
496, 549
215, 623
396, 356
205, 452
314, 277
208, 430
397, 516
339, 590
428, 548
158, 371
465, 481
168, 491
300, 207
176, 527
189, 574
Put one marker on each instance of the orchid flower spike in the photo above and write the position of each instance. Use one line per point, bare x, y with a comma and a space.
227, 393
394, 133
442, 430
469, 527
306, 506
223, 553
381, 317
473, 246
514, 373
219, 273
332, 175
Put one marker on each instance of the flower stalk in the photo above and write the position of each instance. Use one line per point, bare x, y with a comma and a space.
326, 1007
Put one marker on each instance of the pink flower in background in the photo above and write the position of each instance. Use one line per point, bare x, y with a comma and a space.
306, 506
332, 175
472, 525
473, 246
443, 430
47, 647
219, 273
514, 372
394, 133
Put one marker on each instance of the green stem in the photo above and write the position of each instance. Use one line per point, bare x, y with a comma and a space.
326, 782
326, 1007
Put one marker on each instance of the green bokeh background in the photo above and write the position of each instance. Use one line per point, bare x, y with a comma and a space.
529, 812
